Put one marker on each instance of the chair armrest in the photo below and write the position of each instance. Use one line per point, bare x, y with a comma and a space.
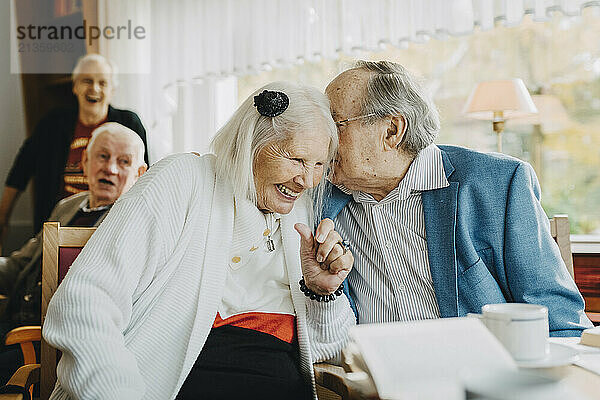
329, 380
25, 376
333, 382
24, 334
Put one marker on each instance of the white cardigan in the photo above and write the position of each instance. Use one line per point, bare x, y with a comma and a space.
136, 307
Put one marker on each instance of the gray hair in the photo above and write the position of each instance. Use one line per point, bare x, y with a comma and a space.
237, 144
392, 90
114, 128
92, 57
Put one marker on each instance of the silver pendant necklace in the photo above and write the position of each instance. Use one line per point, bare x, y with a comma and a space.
270, 220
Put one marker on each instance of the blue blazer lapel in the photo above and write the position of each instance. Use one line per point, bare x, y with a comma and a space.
334, 202
439, 207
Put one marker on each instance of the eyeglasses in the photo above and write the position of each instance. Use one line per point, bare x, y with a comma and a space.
345, 121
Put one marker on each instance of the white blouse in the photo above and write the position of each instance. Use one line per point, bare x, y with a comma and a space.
257, 280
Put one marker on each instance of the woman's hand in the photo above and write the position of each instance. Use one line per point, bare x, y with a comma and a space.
325, 262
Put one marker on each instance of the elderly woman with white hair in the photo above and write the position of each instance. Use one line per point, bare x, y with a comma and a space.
205, 280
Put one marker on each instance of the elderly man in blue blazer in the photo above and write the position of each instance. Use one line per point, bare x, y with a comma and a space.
436, 231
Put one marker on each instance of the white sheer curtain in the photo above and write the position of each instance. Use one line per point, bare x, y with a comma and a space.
183, 81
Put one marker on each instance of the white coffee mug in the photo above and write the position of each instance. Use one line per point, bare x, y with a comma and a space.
521, 328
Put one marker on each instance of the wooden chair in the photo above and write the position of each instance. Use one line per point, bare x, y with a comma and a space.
561, 232
24, 336
61, 248
61, 245
329, 382
346, 382
25, 377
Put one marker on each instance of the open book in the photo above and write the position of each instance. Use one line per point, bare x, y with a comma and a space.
441, 359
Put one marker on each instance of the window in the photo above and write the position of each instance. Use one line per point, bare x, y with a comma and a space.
559, 58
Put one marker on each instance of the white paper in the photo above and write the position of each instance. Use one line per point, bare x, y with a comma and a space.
573, 342
589, 356
431, 352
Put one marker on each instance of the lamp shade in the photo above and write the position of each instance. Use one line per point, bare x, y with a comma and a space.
551, 115
508, 97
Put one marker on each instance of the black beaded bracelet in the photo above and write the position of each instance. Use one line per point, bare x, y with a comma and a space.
320, 297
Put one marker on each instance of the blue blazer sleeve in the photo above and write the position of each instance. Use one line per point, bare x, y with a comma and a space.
535, 270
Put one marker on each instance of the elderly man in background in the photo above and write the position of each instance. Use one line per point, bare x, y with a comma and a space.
53, 152
112, 162
437, 231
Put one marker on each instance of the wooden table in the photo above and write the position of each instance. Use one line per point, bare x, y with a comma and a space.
584, 381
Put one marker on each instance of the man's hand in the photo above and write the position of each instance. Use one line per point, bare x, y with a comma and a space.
325, 262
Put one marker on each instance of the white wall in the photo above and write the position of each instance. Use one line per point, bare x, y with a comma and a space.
12, 131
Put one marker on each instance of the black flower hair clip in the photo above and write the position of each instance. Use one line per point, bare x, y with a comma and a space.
270, 103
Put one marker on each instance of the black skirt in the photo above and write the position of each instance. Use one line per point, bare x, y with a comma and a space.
238, 363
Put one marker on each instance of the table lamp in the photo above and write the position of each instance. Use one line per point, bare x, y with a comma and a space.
551, 117
498, 101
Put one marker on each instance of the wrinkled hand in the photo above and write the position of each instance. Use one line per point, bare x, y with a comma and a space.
325, 264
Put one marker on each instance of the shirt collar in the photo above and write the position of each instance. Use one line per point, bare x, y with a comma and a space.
426, 172
85, 207
249, 220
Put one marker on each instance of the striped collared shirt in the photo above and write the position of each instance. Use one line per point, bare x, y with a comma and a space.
391, 279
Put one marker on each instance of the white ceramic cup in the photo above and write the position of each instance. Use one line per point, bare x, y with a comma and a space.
521, 328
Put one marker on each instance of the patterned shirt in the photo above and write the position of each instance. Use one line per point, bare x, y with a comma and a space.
391, 279
73, 179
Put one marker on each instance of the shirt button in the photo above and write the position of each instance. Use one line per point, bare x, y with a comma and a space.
389, 245
402, 287
236, 259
